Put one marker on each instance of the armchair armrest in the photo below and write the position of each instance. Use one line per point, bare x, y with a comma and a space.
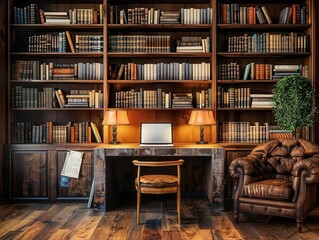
311, 166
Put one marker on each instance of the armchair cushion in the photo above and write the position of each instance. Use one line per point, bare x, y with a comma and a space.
271, 189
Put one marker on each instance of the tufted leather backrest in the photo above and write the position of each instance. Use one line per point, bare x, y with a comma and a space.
281, 154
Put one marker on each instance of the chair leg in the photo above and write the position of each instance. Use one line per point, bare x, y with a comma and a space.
138, 207
299, 225
236, 216
178, 206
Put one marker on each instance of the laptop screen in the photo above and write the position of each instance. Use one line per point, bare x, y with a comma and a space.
156, 133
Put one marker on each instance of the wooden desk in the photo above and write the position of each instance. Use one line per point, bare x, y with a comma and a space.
111, 160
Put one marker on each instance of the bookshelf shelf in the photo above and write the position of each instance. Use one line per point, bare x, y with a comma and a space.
57, 109
246, 81
162, 27
244, 109
268, 27
158, 109
86, 27
160, 55
59, 54
64, 81
262, 55
160, 81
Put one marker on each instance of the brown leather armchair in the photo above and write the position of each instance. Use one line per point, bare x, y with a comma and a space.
279, 178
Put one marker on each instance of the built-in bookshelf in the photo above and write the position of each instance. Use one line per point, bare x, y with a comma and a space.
257, 44
56, 93
69, 62
56, 65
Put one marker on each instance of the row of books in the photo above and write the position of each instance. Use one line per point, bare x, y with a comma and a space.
144, 15
140, 43
49, 97
235, 13
243, 132
158, 98
228, 71
260, 71
86, 16
269, 43
57, 42
295, 14
242, 98
48, 42
34, 70
161, 71
49, 132
33, 14
256, 71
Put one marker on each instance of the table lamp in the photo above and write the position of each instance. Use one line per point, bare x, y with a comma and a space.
201, 118
114, 118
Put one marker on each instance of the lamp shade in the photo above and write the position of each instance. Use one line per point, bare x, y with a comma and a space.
116, 117
201, 118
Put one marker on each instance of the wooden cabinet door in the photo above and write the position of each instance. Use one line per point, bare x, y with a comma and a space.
80, 187
29, 174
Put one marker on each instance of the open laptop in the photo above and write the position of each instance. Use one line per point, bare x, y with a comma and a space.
156, 135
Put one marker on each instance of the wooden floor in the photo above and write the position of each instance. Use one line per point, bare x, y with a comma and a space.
74, 221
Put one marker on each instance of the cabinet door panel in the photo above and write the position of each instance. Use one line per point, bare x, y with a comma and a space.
75, 187
29, 174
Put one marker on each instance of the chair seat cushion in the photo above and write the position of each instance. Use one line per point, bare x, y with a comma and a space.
271, 189
158, 180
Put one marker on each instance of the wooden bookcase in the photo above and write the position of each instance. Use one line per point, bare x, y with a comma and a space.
262, 47
123, 45
37, 124
143, 55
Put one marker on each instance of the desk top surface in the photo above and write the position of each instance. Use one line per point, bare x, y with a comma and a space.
176, 145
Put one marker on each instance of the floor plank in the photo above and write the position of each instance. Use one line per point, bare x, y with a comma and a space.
40, 221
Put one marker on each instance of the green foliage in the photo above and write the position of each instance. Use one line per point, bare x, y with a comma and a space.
294, 103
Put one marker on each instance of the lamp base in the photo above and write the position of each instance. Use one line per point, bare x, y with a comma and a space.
114, 142
202, 142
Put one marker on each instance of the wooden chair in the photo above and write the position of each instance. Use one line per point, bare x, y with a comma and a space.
158, 183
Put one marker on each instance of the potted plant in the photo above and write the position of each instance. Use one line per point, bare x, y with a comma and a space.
294, 103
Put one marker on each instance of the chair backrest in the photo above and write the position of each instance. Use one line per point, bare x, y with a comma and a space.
172, 163
281, 154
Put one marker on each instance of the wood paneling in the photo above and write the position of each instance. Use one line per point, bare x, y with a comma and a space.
3, 89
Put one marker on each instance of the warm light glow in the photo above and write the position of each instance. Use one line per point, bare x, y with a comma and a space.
201, 118
118, 117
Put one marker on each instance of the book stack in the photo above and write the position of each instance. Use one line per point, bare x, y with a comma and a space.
262, 100
63, 71
281, 71
276, 133
182, 100
78, 98
190, 44
82, 98
170, 17
56, 18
